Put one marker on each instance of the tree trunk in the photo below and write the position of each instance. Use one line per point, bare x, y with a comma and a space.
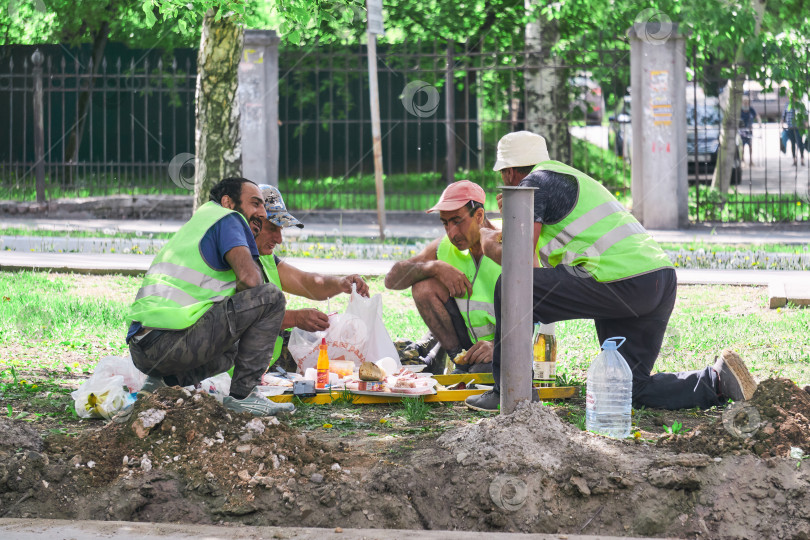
217, 135
75, 138
730, 106
546, 88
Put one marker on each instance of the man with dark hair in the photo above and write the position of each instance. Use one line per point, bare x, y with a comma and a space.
453, 282
599, 263
204, 306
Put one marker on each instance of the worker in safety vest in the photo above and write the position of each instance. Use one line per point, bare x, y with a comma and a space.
292, 280
599, 263
204, 306
453, 282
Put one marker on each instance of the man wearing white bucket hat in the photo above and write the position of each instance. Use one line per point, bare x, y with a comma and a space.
293, 280
599, 263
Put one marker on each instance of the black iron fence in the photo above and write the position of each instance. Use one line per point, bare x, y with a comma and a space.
110, 128
767, 183
443, 109
115, 128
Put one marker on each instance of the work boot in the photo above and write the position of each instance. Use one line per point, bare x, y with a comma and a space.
152, 383
489, 401
256, 404
734, 381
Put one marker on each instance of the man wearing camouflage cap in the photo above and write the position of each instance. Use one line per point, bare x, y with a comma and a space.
292, 280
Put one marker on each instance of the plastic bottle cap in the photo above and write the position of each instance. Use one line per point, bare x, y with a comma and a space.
547, 329
611, 345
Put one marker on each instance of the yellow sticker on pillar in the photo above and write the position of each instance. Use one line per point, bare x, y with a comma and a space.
659, 98
253, 56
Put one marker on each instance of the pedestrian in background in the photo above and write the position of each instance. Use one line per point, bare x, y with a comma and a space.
794, 117
747, 118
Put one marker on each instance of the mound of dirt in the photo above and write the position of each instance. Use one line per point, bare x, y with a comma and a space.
182, 457
772, 422
175, 456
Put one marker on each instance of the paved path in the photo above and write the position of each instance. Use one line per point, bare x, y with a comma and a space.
137, 264
414, 225
35, 529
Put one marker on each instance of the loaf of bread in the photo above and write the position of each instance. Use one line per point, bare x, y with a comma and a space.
370, 372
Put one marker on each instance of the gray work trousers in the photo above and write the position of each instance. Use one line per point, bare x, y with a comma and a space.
237, 332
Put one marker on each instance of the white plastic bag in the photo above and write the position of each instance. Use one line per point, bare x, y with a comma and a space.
358, 335
110, 366
101, 397
218, 386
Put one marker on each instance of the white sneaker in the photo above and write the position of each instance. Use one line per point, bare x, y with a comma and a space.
256, 404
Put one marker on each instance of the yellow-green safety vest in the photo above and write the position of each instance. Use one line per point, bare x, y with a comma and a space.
180, 287
599, 235
481, 305
271, 274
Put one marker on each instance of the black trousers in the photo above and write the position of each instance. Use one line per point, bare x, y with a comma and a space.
463, 335
637, 309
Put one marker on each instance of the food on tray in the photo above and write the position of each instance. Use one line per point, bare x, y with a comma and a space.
461, 358
343, 368
272, 380
370, 372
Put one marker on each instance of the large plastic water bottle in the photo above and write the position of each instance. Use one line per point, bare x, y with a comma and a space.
610, 391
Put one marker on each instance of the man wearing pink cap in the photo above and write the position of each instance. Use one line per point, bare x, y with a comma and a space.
453, 282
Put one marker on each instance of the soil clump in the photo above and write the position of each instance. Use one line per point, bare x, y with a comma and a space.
181, 457
775, 420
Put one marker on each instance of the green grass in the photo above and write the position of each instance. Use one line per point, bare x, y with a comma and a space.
694, 245
55, 327
742, 207
47, 233
91, 186
415, 409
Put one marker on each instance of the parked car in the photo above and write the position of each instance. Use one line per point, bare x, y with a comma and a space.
588, 98
709, 119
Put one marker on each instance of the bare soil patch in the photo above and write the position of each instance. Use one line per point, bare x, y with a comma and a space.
181, 457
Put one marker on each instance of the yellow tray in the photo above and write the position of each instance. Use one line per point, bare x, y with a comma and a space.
557, 392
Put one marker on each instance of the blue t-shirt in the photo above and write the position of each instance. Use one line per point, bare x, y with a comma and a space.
227, 233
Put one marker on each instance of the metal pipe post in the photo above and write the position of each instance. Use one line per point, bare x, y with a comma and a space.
516, 298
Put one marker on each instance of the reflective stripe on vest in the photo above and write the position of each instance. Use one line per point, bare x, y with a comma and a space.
599, 234
488, 307
191, 276
271, 276
481, 319
180, 287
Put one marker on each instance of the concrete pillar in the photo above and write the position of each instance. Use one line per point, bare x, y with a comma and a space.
258, 105
658, 94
